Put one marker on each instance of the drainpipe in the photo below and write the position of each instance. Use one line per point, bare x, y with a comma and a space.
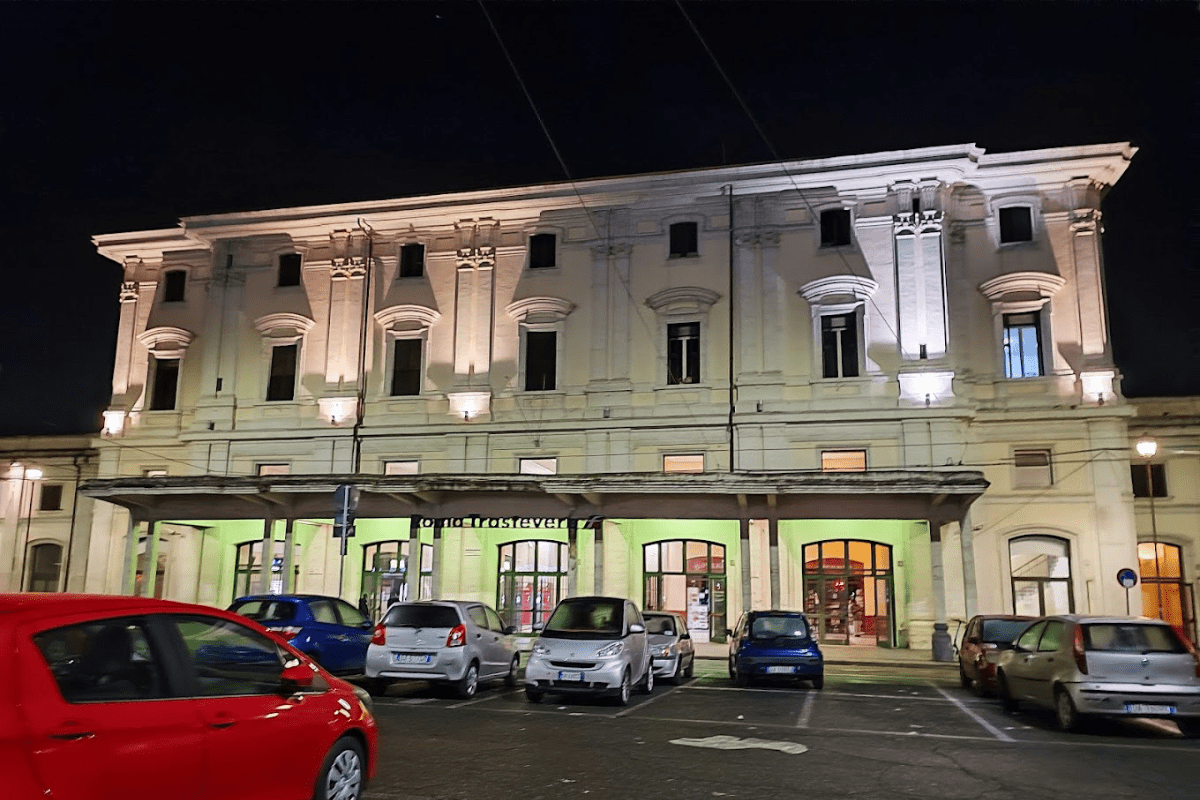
732, 451
364, 327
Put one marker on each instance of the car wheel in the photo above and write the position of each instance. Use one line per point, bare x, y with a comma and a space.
1007, 701
377, 687
740, 679
732, 669
648, 681
1064, 711
818, 682
622, 697
1189, 726
677, 676
964, 680
469, 683
533, 695
690, 668
510, 679
343, 773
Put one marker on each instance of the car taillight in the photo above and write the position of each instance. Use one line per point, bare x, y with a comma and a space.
457, 637
379, 635
1080, 655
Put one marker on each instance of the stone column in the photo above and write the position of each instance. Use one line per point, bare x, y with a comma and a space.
289, 557
268, 555
572, 557
346, 286
412, 578
966, 540
435, 588
920, 269
1085, 251
744, 538
129, 567
942, 648
473, 304
598, 559
773, 543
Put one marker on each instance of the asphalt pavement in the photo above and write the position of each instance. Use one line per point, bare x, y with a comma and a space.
873, 732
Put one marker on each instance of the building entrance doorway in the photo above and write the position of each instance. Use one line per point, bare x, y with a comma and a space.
848, 591
688, 578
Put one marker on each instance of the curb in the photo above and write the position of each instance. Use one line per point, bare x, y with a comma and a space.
837, 662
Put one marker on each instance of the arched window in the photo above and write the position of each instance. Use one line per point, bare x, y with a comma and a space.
385, 574
45, 561
1166, 594
1041, 575
688, 578
532, 579
249, 567
848, 591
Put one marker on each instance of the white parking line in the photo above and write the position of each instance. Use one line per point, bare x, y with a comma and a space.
485, 699
987, 726
806, 711
651, 700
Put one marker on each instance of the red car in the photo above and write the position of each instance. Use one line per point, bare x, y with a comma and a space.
116, 697
985, 636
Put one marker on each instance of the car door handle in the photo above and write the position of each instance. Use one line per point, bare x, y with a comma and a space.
72, 736
222, 725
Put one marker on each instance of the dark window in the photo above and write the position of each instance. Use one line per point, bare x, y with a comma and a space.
532, 579
229, 659
835, 227
412, 615
541, 251
173, 286
322, 611
45, 560
289, 269
263, 611
106, 661
406, 368
478, 616
1016, 224
1131, 637
166, 381
839, 346
683, 353
541, 360
281, 385
684, 239
1022, 345
349, 615
412, 260
1002, 631
1142, 481
51, 497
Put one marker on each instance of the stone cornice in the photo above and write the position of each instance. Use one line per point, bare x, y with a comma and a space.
1043, 285
393, 315
540, 309
282, 320
682, 300
838, 287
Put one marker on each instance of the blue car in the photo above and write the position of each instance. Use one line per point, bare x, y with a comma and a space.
774, 644
329, 630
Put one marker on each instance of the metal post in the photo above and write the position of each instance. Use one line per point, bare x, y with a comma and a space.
598, 559
572, 545
1154, 536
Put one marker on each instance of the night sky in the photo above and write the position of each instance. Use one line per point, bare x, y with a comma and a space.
126, 117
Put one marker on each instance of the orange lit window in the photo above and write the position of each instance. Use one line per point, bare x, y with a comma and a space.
843, 460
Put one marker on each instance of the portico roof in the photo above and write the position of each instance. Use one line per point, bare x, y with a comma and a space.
942, 494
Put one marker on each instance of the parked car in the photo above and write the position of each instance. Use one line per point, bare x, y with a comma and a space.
774, 644
671, 646
107, 697
328, 630
1110, 666
591, 645
984, 639
451, 642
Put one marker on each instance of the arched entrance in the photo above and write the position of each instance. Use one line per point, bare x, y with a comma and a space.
687, 576
848, 591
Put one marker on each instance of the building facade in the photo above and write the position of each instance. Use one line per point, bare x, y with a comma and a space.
878, 388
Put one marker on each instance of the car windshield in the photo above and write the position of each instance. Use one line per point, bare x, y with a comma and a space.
265, 611
663, 625
586, 618
1003, 631
1131, 637
415, 615
777, 626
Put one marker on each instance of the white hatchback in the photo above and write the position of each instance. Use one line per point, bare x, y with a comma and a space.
451, 642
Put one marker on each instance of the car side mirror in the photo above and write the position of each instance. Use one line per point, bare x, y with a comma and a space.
636, 628
975, 640
537, 626
297, 676
509, 629
728, 632
366, 625
685, 635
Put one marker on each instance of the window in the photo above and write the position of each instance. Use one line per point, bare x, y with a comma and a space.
349, 615
229, 659
322, 611
1029, 638
400, 467
843, 461
174, 283
1052, 638
154, 472
1166, 592
1022, 345
835, 227
541, 360
406, 367
542, 251
839, 346
289, 269
385, 575
425, 588
478, 616
45, 562
538, 466
692, 462
532, 578
1031, 469
281, 383
272, 469
106, 661
412, 260
166, 383
687, 577
1016, 224
1041, 576
51, 498
684, 240
494, 621
248, 569
683, 352
1142, 480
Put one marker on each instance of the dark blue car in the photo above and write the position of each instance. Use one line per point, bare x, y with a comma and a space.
329, 630
774, 644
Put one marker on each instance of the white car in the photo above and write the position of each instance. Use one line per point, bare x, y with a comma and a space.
451, 642
591, 645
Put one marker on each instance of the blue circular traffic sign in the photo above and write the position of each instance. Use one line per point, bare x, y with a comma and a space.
1127, 578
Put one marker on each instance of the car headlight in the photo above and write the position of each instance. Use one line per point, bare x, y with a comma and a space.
668, 651
540, 649
610, 650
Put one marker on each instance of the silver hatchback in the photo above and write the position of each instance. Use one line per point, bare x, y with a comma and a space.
671, 648
1104, 666
451, 642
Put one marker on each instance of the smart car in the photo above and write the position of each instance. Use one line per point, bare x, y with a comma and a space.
774, 644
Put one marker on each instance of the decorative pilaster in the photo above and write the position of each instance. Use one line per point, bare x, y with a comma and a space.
476, 255
920, 273
347, 273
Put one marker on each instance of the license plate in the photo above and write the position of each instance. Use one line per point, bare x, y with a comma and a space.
781, 670
412, 658
570, 676
1148, 708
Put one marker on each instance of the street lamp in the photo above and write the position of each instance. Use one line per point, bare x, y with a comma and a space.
1147, 447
